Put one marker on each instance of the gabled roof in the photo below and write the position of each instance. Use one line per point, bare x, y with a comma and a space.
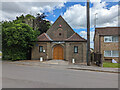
75, 37
108, 31
61, 18
60, 21
68, 34
44, 37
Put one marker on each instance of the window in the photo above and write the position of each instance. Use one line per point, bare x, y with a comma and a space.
115, 38
107, 39
111, 53
75, 49
110, 38
115, 53
107, 53
40, 48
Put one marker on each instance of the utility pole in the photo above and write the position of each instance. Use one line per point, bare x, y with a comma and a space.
88, 34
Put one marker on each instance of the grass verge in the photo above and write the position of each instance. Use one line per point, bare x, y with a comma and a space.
111, 65
0, 54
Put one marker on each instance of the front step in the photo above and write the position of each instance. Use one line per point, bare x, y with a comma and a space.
60, 62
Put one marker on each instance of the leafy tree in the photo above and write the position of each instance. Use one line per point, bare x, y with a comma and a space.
37, 23
24, 19
42, 24
17, 40
17, 35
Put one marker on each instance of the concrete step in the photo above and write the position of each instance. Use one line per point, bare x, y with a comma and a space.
61, 62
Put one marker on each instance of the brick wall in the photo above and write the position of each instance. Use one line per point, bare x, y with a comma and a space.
80, 56
68, 48
65, 30
35, 51
108, 46
96, 43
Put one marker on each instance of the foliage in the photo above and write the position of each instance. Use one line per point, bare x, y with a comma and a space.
29, 16
17, 35
17, 39
42, 24
111, 65
23, 19
0, 54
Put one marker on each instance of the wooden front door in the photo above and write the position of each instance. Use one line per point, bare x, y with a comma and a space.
58, 53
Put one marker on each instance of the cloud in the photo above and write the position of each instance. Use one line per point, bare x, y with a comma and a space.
76, 15
84, 35
11, 9
51, 22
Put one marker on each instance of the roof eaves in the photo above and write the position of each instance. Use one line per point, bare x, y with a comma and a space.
48, 37
80, 36
70, 37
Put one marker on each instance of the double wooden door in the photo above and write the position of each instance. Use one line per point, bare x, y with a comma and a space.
58, 53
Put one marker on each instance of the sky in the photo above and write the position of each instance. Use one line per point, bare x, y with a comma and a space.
73, 12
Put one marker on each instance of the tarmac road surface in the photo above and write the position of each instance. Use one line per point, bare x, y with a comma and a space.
21, 76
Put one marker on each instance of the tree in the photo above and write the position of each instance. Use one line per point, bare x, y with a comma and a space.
37, 23
17, 35
42, 24
28, 19
17, 39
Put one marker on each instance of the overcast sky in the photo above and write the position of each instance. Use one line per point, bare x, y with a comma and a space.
73, 12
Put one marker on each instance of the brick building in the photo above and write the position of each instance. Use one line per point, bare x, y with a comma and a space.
106, 42
60, 42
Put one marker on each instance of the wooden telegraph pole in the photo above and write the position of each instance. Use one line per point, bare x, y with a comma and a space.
88, 34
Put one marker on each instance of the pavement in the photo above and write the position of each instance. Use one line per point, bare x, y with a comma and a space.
65, 64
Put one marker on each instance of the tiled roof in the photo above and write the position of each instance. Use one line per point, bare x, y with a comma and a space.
75, 37
44, 37
108, 31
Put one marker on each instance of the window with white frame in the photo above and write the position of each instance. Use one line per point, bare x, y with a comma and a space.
107, 53
111, 53
40, 48
107, 38
115, 53
75, 49
115, 38
110, 38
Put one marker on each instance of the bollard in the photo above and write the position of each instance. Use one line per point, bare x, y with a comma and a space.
41, 59
73, 60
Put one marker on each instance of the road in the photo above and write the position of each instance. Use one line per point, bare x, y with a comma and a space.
21, 76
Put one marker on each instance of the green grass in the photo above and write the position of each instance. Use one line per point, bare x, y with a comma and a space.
111, 65
0, 54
